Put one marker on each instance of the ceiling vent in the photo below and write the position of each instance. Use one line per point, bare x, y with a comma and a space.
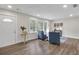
75, 5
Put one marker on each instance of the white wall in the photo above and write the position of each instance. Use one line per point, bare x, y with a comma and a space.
51, 26
70, 27
22, 19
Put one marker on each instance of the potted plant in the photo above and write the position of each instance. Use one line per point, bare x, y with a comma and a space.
23, 34
22, 28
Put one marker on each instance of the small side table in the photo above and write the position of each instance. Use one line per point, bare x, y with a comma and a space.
23, 35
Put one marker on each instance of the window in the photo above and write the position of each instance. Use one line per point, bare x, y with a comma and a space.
37, 25
42, 26
45, 26
32, 25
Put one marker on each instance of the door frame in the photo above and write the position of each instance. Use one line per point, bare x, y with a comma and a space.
15, 17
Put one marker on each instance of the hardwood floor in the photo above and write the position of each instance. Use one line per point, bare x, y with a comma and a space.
38, 47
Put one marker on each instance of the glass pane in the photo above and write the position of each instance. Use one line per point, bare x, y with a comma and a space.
40, 26
45, 26
32, 25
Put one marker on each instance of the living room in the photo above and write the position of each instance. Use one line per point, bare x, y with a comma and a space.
44, 29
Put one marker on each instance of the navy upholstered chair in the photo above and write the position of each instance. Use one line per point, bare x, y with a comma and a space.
54, 38
41, 35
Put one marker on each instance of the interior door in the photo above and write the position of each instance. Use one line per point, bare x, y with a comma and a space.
7, 30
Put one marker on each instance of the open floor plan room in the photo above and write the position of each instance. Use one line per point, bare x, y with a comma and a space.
39, 29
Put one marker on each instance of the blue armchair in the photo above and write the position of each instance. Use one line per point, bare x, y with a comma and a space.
54, 38
41, 35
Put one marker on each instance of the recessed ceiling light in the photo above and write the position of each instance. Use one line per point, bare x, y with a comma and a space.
70, 15
65, 6
9, 6
7, 20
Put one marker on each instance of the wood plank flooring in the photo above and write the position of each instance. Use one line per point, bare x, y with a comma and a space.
38, 47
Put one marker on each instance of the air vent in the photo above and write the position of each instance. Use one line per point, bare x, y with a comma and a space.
75, 5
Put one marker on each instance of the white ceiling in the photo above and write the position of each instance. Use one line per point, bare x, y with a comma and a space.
46, 11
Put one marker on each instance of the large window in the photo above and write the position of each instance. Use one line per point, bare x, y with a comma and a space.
32, 25
45, 26
37, 25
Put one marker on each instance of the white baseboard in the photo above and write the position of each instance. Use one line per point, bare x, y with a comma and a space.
6, 44
75, 37
12, 43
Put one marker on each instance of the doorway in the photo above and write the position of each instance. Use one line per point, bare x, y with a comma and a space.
7, 30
